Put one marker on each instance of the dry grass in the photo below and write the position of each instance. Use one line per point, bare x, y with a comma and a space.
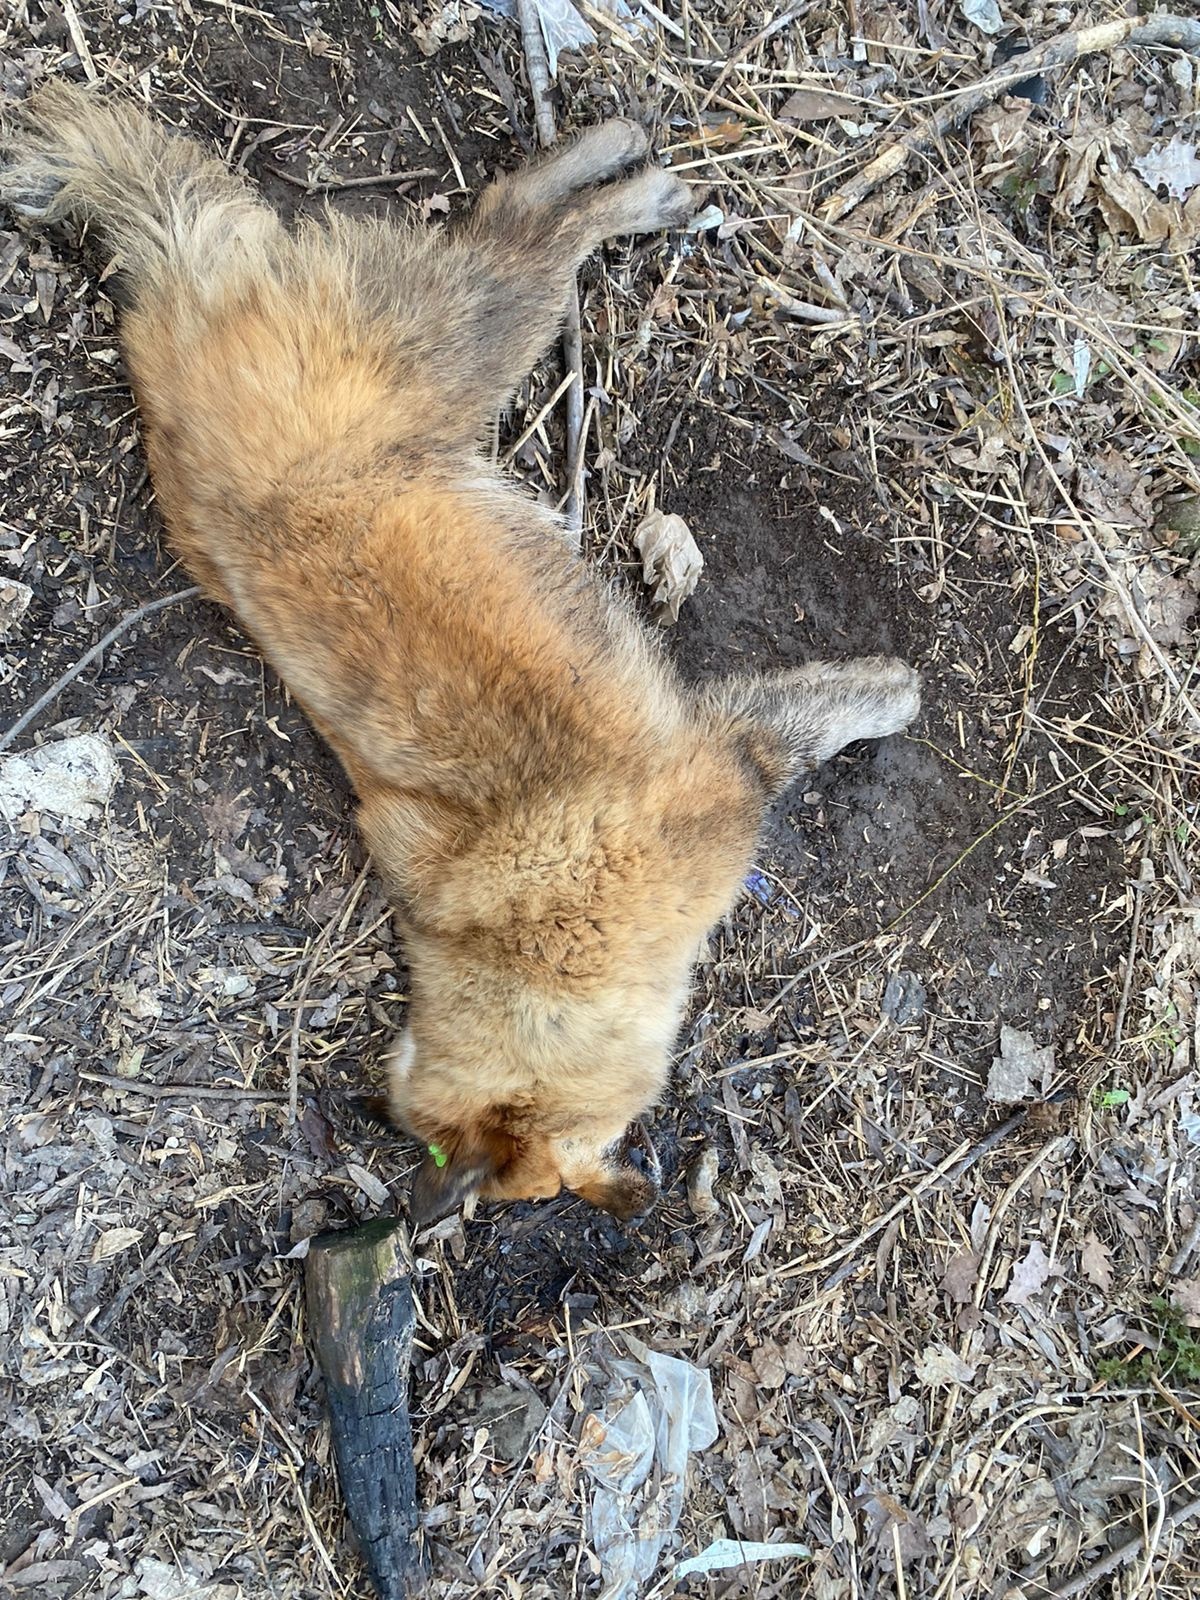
970, 401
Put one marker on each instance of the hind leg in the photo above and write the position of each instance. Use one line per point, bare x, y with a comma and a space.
511, 266
593, 156
788, 722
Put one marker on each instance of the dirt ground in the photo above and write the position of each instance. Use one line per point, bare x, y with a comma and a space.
952, 426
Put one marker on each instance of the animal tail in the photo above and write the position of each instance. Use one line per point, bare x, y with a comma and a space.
158, 202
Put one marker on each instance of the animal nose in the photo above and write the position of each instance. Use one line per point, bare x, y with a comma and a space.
641, 1155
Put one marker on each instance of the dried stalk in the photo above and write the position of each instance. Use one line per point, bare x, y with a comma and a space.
538, 71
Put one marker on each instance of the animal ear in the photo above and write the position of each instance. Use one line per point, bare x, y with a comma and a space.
446, 1179
786, 723
408, 836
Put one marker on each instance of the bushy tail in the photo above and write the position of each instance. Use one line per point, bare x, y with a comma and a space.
156, 200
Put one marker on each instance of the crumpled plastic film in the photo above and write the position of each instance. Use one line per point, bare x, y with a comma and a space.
562, 26
658, 1411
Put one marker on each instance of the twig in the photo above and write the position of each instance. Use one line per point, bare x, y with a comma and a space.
79, 40
374, 180
340, 915
1083, 1581
949, 1172
1135, 923
783, 20
537, 69
1181, 32
1136, 621
804, 310
184, 1091
572, 341
816, 966
115, 632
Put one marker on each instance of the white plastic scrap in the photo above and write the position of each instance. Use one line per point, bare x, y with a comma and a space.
724, 1553
658, 1411
1022, 1071
985, 14
562, 26
671, 560
72, 778
1174, 165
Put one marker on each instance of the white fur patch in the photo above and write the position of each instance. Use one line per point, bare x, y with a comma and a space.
400, 1061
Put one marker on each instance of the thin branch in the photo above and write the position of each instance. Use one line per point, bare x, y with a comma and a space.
375, 180
1083, 1582
85, 660
1181, 32
572, 341
949, 1172
181, 1091
537, 69
342, 915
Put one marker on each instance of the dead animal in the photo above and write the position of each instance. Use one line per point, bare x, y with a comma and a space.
558, 818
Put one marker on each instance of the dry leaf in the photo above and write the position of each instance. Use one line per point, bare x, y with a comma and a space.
764, 1188
113, 1241
1022, 1071
671, 561
1095, 1260
994, 446
959, 1278
1028, 1276
1113, 488
769, 1366
368, 1183
810, 105
1003, 129
1079, 170
1170, 603
1127, 205
1174, 165
939, 1364
14, 602
1185, 1297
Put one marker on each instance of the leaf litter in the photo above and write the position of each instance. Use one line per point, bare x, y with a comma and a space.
951, 429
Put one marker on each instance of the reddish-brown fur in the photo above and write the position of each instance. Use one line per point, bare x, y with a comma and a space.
557, 818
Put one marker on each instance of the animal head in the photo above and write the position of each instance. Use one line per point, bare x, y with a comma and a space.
550, 938
550, 947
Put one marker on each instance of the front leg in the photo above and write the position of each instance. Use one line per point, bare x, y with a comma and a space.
787, 722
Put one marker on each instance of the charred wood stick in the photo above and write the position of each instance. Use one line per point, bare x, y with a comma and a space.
361, 1320
1181, 32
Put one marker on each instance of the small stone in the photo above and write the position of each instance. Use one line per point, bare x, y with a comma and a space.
701, 1177
512, 1417
904, 999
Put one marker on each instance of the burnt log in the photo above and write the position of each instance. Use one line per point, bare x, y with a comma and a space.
361, 1321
